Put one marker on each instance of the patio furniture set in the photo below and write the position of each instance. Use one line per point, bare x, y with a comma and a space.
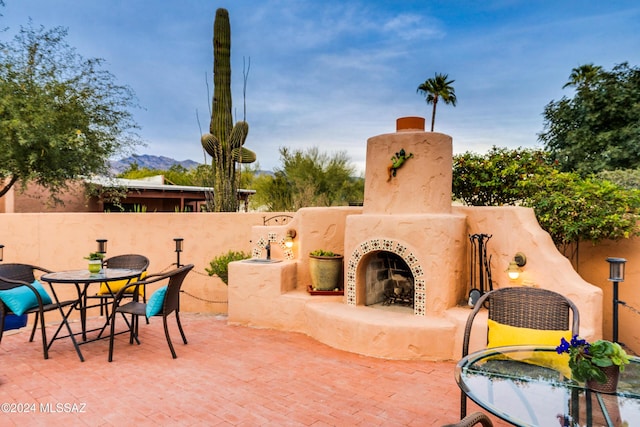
516, 378
123, 280
521, 378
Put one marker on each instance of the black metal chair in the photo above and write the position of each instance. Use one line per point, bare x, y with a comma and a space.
169, 303
472, 420
12, 277
523, 307
128, 261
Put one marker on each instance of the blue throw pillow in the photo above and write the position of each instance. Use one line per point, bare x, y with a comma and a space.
154, 306
21, 298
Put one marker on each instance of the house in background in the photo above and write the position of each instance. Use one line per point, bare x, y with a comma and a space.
151, 194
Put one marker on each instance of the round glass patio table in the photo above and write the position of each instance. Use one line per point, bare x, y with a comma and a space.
82, 279
531, 386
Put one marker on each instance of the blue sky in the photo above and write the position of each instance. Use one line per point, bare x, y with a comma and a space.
332, 73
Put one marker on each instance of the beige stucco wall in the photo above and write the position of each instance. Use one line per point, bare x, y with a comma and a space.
515, 229
59, 241
593, 267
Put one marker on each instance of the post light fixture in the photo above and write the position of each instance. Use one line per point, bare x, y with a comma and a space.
179, 247
1, 252
515, 265
102, 246
616, 269
616, 275
288, 240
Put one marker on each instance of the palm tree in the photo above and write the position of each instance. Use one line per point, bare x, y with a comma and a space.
583, 76
438, 88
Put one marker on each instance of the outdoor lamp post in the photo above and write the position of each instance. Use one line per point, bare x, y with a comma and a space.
179, 244
102, 246
616, 275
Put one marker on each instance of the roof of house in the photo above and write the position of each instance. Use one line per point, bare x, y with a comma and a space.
151, 183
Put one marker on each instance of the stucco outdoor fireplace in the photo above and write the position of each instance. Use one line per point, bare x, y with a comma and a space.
407, 236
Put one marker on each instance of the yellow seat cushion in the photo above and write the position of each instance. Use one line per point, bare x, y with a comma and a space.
500, 335
119, 284
505, 335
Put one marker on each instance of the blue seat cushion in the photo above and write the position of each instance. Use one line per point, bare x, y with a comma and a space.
21, 298
154, 306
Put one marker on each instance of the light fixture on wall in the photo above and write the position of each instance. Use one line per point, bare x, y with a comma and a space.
102, 246
616, 275
1, 252
519, 261
179, 247
288, 240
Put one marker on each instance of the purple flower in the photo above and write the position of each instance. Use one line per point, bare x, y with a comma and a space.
575, 347
563, 347
575, 342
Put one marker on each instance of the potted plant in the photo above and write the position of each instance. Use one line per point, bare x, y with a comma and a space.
597, 364
325, 268
95, 262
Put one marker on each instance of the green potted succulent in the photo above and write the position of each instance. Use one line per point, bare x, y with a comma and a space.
95, 261
598, 364
325, 268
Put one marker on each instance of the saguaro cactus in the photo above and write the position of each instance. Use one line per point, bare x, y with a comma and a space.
224, 142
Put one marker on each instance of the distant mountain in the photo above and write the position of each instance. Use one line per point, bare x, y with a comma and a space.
150, 162
159, 163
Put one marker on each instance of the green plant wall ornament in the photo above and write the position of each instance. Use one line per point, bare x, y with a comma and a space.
396, 162
224, 142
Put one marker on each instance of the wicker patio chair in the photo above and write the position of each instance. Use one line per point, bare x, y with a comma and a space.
20, 281
523, 307
163, 302
128, 261
472, 420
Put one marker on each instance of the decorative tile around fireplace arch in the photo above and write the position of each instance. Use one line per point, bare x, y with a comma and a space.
389, 245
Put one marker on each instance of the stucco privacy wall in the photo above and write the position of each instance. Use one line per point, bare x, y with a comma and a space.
59, 241
516, 229
594, 268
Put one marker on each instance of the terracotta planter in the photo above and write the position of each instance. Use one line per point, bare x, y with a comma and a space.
611, 385
326, 272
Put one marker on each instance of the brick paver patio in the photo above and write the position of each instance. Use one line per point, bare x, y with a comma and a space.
226, 376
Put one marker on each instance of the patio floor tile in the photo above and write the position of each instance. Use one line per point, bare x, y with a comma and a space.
226, 376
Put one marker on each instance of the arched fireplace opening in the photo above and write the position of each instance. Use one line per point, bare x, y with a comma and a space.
389, 280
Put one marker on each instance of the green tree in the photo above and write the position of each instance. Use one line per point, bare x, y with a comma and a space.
500, 177
273, 193
570, 208
583, 76
625, 178
599, 128
61, 116
573, 209
435, 89
175, 175
309, 178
